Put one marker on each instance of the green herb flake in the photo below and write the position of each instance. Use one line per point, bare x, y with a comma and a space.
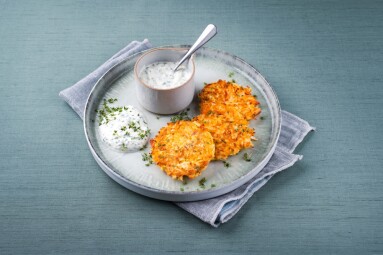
181, 116
226, 164
231, 74
112, 100
147, 157
213, 185
262, 118
202, 182
133, 125
105, 112
182, 189
247, 157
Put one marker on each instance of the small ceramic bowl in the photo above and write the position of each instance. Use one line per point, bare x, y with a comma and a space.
164, 100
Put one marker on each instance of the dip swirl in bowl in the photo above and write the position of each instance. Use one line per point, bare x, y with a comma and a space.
160, 75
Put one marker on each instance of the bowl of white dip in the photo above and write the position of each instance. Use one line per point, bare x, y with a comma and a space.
159, 88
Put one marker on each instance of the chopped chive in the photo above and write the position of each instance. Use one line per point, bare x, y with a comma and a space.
202, 182
226, 164
247, 157
181, 116
147, 157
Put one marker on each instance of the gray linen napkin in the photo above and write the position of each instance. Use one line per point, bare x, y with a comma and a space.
77, 94
220, 209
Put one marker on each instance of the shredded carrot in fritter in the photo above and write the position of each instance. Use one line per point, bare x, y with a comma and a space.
226, 97
182, 149
185, 148
230, 133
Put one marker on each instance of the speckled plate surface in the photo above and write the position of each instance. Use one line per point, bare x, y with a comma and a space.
129, 170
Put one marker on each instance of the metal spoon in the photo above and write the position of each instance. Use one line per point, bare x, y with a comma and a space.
209, 32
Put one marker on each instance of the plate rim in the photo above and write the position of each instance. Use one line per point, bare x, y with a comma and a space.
181, 196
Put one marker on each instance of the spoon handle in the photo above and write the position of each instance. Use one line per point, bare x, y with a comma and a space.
209, 32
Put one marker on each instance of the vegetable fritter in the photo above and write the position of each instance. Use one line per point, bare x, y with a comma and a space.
231, 133
226, 97
182, 149
185, 148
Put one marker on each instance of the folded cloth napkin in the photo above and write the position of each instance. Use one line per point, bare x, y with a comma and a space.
220, 209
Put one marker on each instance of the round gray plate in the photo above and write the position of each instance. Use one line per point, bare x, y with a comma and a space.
130, 171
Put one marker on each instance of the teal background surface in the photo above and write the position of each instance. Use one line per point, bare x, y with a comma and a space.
323, 58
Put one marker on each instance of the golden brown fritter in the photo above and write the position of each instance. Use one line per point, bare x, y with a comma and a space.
231, 133
182, 149
185, 148
225, 97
